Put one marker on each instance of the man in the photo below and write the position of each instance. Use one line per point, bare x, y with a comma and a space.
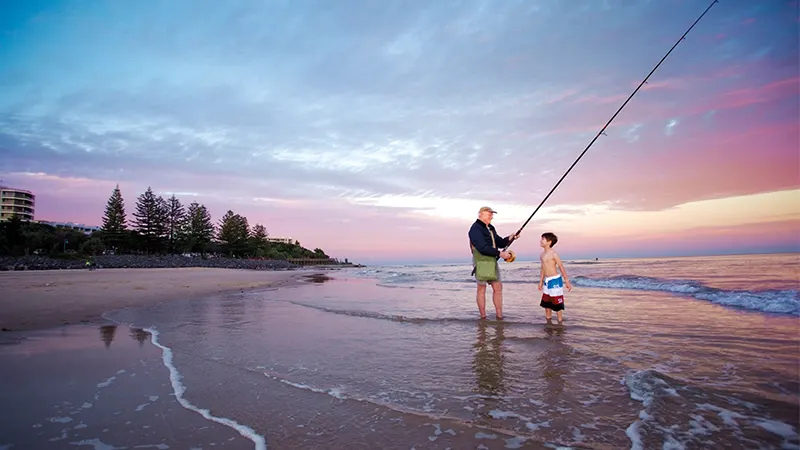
484, 238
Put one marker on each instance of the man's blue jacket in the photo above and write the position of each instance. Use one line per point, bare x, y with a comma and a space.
480, 238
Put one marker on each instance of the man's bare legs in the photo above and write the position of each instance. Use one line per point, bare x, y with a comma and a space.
481, 299
497, 299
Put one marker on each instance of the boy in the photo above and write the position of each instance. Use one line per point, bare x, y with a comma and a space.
551, 281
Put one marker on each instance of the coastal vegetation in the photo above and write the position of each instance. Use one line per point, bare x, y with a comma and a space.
159, 226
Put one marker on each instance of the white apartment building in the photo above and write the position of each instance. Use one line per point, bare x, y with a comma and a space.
16, 202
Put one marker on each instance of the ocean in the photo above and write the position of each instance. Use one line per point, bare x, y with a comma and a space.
662, 353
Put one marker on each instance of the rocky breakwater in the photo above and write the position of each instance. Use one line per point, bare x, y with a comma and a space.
140, 262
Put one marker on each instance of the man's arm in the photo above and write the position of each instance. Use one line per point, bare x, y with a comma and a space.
477, 239
502, 242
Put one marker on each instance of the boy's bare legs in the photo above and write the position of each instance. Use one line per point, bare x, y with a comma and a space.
560, 315
548, 314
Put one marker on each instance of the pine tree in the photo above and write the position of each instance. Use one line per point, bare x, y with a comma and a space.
199, 229
258, 240
234, 233
114, 220
150, 219
175, 222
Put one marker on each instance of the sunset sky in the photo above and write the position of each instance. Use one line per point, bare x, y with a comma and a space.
375, 130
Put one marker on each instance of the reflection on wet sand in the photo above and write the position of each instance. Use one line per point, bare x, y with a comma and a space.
317, 278
489, 361
107, 333
139, 335
554, 360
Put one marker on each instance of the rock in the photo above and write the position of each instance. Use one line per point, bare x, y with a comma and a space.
140, 262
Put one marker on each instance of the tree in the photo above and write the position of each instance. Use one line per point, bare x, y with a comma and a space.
114, 220
36, 237
258, 241
234, 233
175, 222
199, 229
150, 219
92, 246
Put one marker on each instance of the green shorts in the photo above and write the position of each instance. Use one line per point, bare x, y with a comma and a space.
484, 283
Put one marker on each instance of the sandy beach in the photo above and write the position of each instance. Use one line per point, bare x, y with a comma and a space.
394, 357
44, 299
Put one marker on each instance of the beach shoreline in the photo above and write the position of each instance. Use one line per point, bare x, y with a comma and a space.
35, 300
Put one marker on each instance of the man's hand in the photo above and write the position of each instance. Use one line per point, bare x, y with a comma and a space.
568, 285
505, 255
514, 236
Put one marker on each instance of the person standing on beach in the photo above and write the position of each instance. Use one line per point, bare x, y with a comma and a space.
484, 239
551, 282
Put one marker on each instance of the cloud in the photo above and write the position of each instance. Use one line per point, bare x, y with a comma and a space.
669, 129
386, 109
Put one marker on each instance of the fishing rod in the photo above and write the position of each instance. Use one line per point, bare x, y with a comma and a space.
602, 130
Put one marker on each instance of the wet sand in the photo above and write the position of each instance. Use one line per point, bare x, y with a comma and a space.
101, 387
44, 299
113, 389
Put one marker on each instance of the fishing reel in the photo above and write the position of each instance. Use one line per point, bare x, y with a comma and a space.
511, 258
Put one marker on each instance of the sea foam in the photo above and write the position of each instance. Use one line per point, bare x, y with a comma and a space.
784, 301
179, 389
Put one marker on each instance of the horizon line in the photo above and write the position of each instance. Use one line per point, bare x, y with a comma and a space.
614, 258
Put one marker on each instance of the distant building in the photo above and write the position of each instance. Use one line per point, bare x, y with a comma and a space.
285, 240
16, 202
85, 229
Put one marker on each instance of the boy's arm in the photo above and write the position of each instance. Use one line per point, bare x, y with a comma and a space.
563, 271
541, 275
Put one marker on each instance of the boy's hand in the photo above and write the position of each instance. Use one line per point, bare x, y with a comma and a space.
568, 285
541, 285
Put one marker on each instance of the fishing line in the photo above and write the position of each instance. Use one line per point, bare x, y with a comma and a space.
602, 130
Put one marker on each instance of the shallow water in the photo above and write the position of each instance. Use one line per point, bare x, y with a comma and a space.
631, 368
673, 354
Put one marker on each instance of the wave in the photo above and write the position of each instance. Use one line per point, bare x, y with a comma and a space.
682, 416
179, 389
513, 437
780, 301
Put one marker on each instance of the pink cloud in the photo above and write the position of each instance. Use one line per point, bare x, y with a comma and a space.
600, 99
749, 96
346, 231
751, 237
586, 120
709, 165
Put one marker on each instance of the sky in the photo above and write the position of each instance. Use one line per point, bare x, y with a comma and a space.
376, 130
